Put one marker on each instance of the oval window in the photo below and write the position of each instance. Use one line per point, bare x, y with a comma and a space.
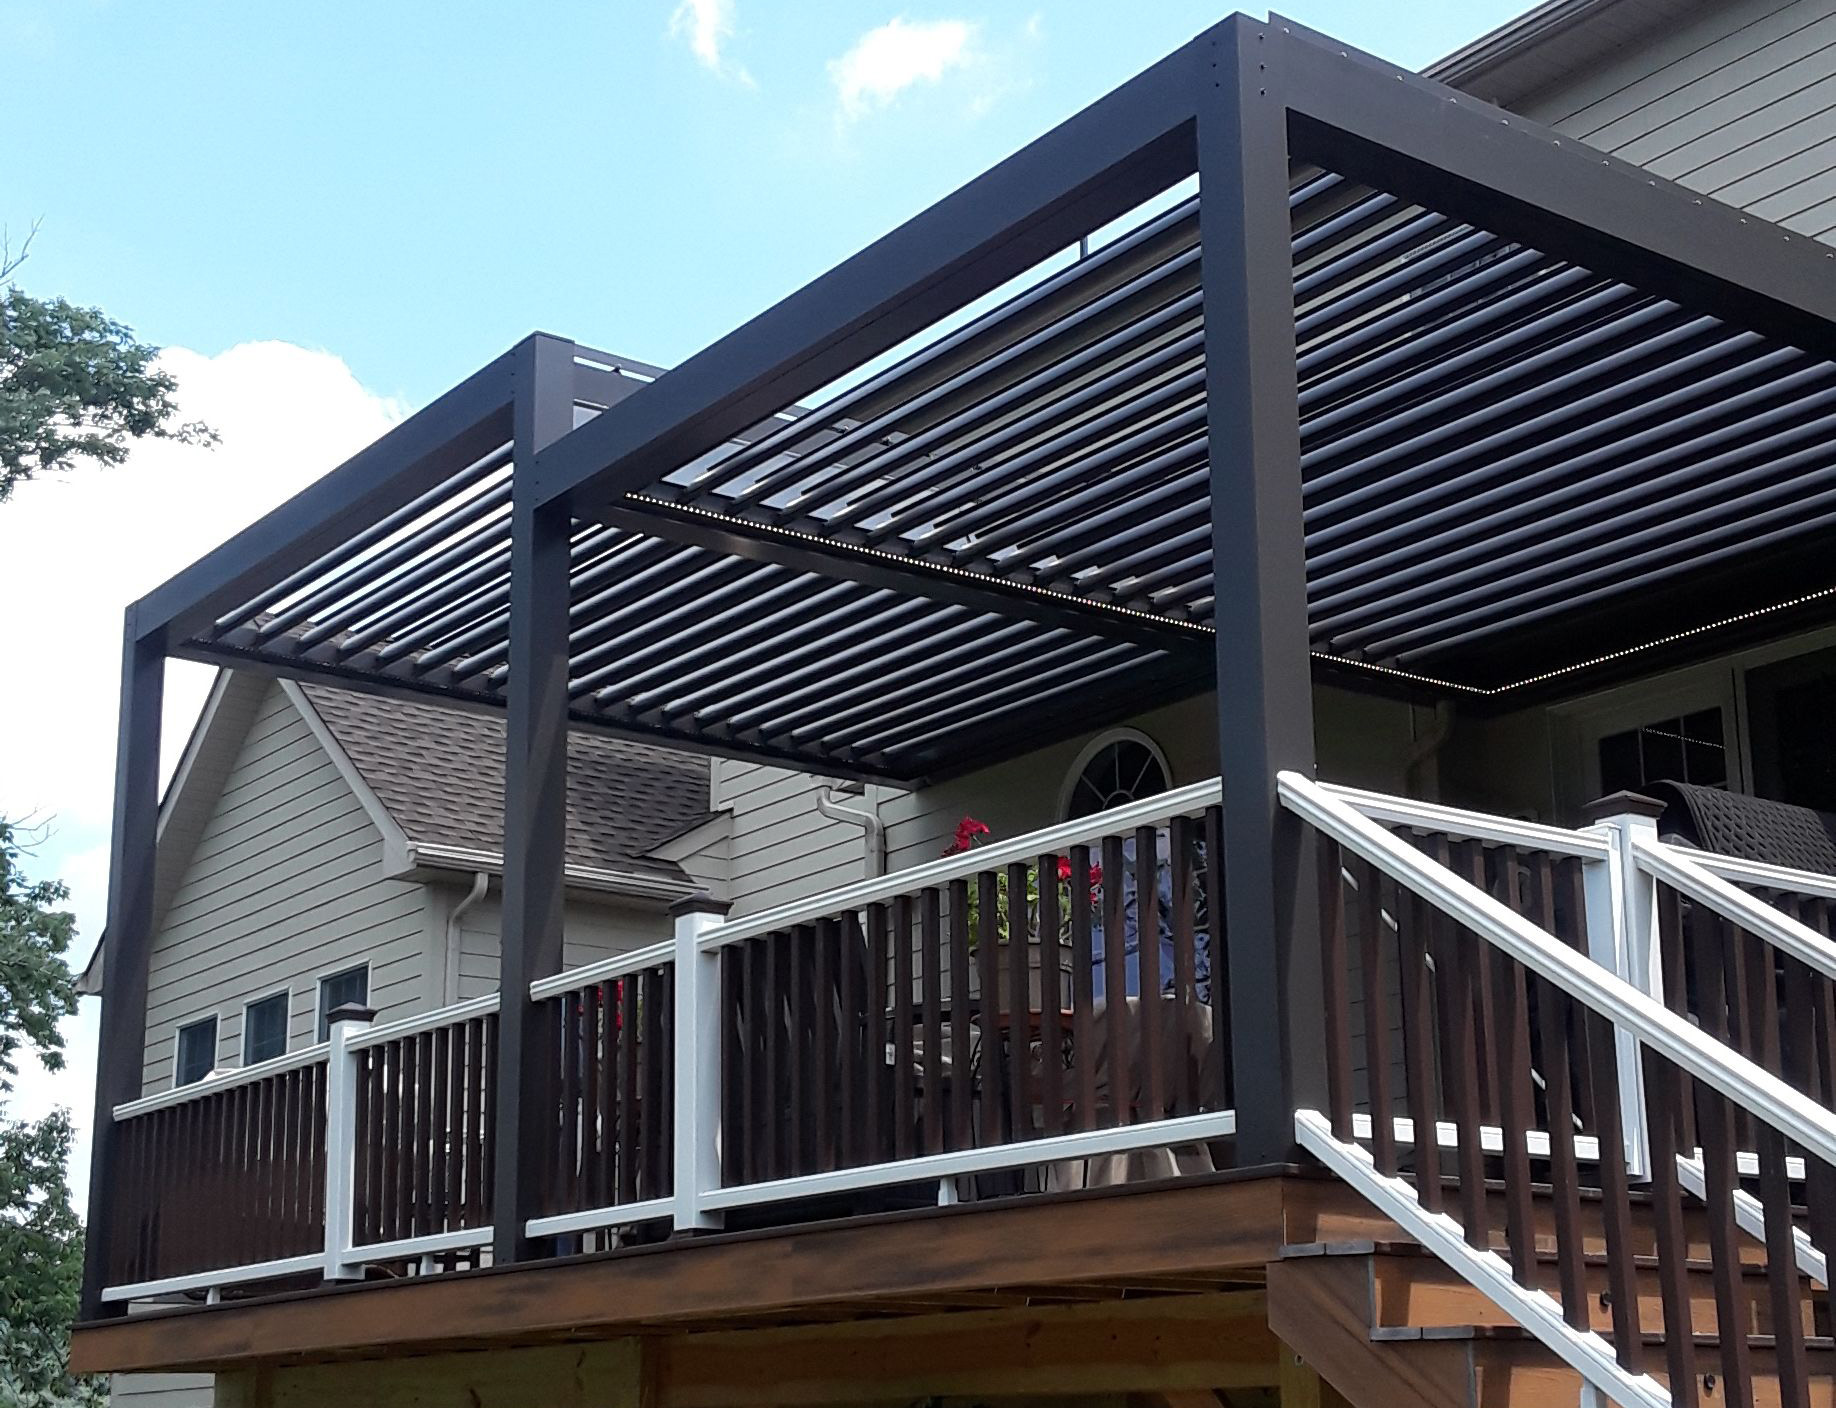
1117, 768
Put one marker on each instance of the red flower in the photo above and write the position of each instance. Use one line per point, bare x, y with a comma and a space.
1064, 873
968, 830
1064, 869
1096, 876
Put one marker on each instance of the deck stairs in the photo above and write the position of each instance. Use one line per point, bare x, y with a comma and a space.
1387, 1322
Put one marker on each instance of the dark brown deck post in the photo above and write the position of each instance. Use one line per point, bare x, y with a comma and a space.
1265, 691
535, 792
121, 1058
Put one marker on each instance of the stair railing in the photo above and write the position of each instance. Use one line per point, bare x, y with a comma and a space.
1473, 971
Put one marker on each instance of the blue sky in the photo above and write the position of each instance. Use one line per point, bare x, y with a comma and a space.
328, 213
414, 186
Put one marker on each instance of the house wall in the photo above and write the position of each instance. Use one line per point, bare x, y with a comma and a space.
283, 885
1738, 102
590, 931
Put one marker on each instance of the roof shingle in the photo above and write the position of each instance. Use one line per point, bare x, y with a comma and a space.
440, 773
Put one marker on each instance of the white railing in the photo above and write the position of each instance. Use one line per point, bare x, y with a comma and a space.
340, 1256
1636, 1012
1622, 862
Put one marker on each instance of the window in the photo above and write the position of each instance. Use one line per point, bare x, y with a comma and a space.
264, 1029
1688, 748
1118, 767
338, 989
197, 1051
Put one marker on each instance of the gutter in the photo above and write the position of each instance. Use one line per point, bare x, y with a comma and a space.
636, 884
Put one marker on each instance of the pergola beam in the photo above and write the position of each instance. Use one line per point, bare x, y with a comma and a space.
1095, 166
1512, 176
909, 576
443, 437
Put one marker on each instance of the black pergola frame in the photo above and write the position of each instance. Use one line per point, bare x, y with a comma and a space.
1225, 107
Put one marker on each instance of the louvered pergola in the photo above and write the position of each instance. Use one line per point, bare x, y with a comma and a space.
1276, 362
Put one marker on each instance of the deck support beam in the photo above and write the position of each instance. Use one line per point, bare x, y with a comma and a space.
1265, 682
121, 1058
535, 794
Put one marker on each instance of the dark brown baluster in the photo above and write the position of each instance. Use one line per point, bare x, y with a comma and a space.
487, 1134
755, 1081
902, 995
390, 1198
451, 1190
1185, 962
1152, 1044
962, 1036
1782, 1276
1083, 997
1459, 1062
822, 1043
424, 1138
592, 1187
802, 1094
1418, 1014
1663, 1094
1051, 1000
1511, 1045
1374, 947
992, 1017
1553, 1017
666, 1078
931, 950
1217, 940
653, 1050
1019, 1035
477, 1153
1602, 1060
1480, 959
1740, 1033
852, 1065
1820, 1179
874, 1147
628, 1113
1121, 1073
1334, 960
774, 950
1674, 963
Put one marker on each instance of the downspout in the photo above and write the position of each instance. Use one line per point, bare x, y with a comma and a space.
867, 818
481, 881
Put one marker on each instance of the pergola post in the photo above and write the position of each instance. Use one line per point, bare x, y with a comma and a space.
121, 1055
1265, 688
535, 792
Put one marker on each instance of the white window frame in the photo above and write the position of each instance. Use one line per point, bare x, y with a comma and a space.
318, 991
286, 994
216, 1045
1068, 786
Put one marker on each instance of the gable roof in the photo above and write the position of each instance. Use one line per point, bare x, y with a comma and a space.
439, 774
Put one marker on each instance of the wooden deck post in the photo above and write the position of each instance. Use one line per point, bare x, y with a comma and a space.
1265, 688
535, 793
121, 1059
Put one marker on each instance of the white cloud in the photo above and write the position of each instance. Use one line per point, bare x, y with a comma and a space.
707, 25
79, 547
884, 62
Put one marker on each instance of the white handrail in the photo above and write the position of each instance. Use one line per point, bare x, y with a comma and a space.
1681, 872
1754, 872
425, 1021
228, 1080
617, 966
1052, 840
1588, 1354
1477, 826
1748, 1085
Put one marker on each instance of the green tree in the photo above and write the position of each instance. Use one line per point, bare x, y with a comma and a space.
75, 386
41, 1240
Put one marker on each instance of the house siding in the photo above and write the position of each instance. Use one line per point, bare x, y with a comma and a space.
283, 885
781, 848
1738, 103
590, 932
